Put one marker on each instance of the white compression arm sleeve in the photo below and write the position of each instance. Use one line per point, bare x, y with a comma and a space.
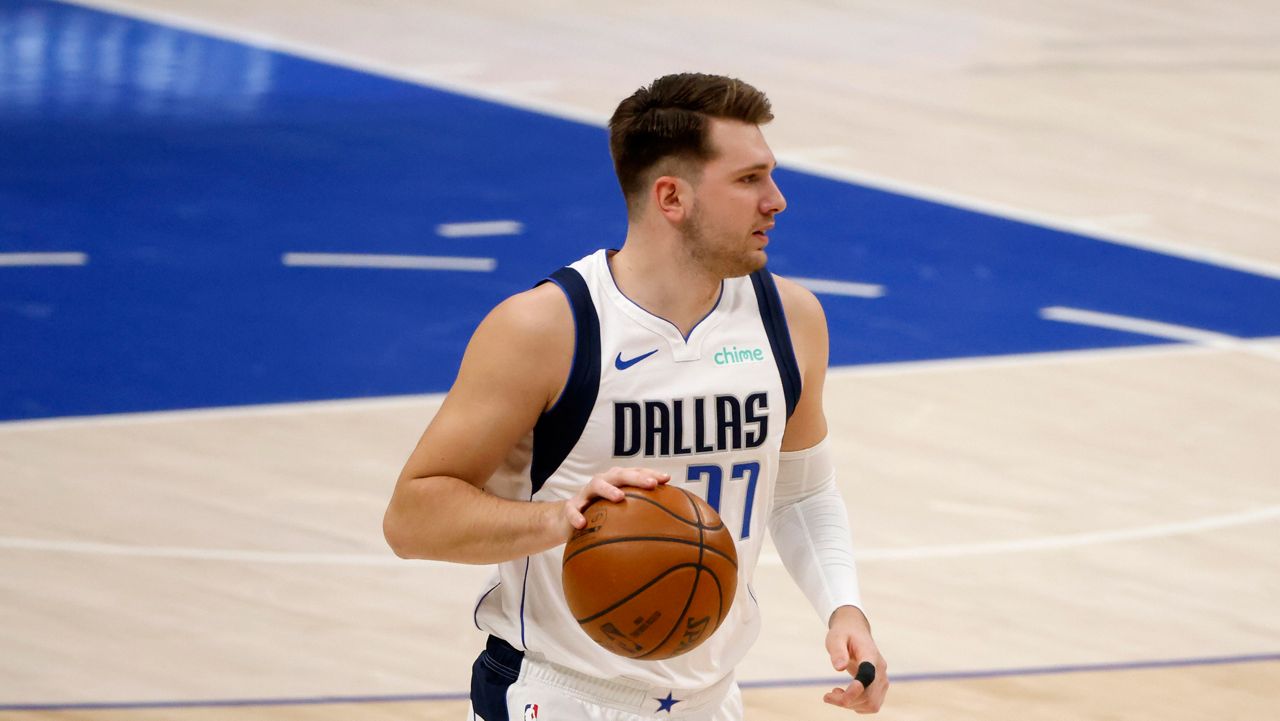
810, 528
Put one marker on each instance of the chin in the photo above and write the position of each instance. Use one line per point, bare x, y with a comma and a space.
753, 261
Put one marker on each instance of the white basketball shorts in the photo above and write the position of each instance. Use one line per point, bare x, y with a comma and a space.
508, 686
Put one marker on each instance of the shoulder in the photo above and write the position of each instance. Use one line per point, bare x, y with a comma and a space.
536, 311
528, 337
805, 319
799, 303
807, 324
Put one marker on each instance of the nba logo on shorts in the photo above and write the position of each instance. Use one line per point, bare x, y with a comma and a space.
530, 712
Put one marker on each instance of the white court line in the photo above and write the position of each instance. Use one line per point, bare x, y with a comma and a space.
393, 262
977, 363
1156, 329
565, 111
207, 554
1043, 220
1075, 540
43, 259
1015, 360
840, 287
304, 408
480, 228
1047, 543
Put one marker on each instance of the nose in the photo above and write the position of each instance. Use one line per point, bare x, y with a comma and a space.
773, 201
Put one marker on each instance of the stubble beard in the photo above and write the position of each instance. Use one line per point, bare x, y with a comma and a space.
725, 259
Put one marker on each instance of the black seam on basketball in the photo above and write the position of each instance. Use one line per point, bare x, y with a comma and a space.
719, 595
679, 618
702, 547
639, 591
701, 568
693, 590
666, 539
666, 510
693, 501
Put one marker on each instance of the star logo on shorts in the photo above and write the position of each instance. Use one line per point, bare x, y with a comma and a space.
665, 704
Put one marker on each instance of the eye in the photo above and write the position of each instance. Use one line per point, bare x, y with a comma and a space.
750, 178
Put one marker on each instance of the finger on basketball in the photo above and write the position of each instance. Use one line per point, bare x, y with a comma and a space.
576, 519
612, 492
600, 487
641, 477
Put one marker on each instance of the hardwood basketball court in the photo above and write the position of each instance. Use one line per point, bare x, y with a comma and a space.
1085, 534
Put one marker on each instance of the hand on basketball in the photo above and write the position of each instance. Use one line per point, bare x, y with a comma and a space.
850, 644
607, 485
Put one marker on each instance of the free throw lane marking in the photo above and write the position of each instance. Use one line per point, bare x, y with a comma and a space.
43, 259
1156, 329
395, 262
480, 229
841, 287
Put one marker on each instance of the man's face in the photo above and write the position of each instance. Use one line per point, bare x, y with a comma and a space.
734, 201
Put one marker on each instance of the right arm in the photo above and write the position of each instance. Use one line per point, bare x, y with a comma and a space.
514, 368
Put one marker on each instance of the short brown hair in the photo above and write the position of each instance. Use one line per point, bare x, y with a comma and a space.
668, 119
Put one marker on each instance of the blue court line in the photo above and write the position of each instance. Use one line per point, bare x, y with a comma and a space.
1028, 671
771, 683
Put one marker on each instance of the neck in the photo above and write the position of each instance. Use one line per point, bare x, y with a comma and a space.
659, 276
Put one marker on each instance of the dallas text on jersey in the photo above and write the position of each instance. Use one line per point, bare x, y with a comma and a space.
661, 428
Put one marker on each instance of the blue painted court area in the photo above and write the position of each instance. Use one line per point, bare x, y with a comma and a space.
182, 169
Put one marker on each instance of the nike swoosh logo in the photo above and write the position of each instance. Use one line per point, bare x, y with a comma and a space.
625, 364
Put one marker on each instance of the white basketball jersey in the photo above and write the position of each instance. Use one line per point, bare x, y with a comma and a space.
709, 409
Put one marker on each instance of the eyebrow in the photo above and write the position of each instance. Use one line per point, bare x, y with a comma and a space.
757, 166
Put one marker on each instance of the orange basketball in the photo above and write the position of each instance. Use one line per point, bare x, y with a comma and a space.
652, 576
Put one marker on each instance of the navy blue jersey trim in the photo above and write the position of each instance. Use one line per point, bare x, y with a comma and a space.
524, 592
558, 430
775, 326
495, 669
475, 614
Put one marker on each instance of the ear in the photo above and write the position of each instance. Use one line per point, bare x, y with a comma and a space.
672, 197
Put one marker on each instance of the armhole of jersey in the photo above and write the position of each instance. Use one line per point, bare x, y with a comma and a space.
558, 430
775, 326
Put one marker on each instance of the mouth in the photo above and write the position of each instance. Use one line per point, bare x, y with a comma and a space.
763, 233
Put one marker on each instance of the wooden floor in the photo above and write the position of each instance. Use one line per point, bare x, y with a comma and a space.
1098, 509
1236, 692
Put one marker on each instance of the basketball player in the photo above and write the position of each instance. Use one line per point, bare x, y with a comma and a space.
677, 359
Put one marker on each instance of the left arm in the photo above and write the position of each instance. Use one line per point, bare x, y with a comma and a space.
809, 523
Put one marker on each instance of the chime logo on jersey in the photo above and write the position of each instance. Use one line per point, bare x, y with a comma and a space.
530, 712
688, 426
734, 355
